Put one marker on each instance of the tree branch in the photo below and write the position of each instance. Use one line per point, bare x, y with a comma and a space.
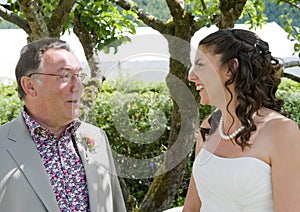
231, 11
203, 5
147, 18
15, 19
297, 6
33, 12
59, 17
176, 8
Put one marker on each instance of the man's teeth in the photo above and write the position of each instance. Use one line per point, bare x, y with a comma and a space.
199, 87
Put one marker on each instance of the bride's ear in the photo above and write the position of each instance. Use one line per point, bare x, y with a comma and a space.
232, 66
235, 62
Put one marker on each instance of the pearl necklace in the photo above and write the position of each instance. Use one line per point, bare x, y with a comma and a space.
230, 136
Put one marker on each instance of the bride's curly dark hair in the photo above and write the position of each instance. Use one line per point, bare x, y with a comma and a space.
256, 79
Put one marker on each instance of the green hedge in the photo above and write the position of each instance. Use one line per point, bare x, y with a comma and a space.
289, 91
134, 109
10, 104
149, 108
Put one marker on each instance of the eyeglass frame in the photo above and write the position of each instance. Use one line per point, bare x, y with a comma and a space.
62, 76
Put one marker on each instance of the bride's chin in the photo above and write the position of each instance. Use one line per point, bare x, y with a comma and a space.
204, 101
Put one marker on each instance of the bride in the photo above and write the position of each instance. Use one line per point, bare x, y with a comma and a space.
248, 152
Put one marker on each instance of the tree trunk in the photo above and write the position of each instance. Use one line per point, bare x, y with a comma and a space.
184, 120
89, 48
178, 32
92, 88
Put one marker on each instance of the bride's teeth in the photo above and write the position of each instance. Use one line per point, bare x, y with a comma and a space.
199, 87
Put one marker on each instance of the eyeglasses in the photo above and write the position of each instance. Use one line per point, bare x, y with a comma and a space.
66, 77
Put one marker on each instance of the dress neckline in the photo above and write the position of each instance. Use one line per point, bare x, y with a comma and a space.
235, 158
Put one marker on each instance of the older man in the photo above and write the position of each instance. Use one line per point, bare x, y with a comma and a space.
50, 161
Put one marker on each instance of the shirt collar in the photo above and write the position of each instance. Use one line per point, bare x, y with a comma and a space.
35, 128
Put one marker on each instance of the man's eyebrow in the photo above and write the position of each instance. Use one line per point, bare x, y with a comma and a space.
69, 69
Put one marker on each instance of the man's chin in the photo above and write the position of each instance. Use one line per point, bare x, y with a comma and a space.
75, 114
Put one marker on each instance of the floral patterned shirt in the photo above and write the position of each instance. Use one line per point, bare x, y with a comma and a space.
62, 163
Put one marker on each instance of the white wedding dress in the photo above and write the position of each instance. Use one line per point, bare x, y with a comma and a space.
232, 184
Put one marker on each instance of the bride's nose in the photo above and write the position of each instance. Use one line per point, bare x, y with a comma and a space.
192, 76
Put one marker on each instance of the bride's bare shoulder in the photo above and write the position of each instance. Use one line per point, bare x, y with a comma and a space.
279, 130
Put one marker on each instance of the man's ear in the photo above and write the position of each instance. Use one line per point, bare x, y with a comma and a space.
28, 86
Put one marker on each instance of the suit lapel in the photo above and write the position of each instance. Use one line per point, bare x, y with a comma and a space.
28, 159
98, 178
104, 191
91, 177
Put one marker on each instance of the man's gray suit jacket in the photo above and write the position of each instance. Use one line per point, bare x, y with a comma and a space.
25, 185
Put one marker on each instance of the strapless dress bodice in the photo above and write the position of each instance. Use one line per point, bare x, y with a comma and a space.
232, 184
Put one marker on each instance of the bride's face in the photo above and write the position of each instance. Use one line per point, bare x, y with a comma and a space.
209, 76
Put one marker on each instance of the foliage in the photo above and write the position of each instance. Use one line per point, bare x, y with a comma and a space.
128, 111
148, 109
288, 18
14, 7
284, 13
278, 11
144, 106
289, 85
289, 90
158, 8
106, 24
253, 13
206, 14
10, 104
141, 109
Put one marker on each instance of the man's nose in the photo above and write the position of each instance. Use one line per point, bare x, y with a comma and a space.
77, 84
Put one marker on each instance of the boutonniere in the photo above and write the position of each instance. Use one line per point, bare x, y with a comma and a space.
87, 143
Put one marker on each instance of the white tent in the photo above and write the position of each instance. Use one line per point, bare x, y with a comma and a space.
11, 43
146, 57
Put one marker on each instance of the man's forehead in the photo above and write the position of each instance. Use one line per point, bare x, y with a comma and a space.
60, 56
